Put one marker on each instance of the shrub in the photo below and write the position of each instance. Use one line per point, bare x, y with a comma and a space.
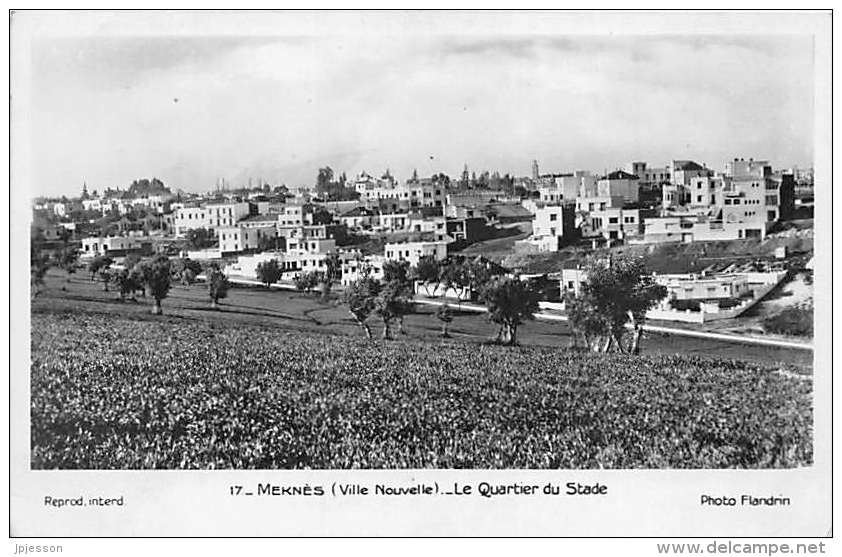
795, 320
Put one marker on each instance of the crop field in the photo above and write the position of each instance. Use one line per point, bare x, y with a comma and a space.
114, 389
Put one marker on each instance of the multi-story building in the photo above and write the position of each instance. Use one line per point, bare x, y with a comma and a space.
189, 218
613, 223
678, 192
553, 224
773, 194
590, 204
226, 213
361, 218
386, 192
241, 237
469, 229
155, 203
705, 191
311, 245
648, 176
619, 184
435, 224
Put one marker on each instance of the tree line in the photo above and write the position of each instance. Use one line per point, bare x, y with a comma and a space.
606, 315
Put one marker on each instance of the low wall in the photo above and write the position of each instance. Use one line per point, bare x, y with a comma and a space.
685, 316
433, 290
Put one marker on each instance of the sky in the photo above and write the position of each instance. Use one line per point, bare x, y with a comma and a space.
106, 110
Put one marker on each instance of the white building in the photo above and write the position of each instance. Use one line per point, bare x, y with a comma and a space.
701, 287
549, 221
189, 218
95, 246
93, 204
414, 251
647, 175
549, 228
225, 214
360, 218
355, 267
613, 223
619, 184
590, 204
414, 193
241, 238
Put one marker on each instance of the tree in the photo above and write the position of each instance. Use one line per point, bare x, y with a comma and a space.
441, 179
323, 181
361, 299
38, 266
105, 276
325, 288
99, 262
157, 273
617, 293
428, 270
464, 180
131, 260
306, 282
467, 276
187, 277
510, 301
269, 272
127, 282
445, 315
333, 267
398, 290
396, 271
393, 302
217, 286
185, 270
68, 259
199, 238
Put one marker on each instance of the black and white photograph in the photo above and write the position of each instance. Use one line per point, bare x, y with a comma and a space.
440, 242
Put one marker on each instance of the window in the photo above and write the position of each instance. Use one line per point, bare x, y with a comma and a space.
554, 216
613, 220
698, 199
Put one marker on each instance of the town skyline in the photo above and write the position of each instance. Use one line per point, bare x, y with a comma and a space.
192, 110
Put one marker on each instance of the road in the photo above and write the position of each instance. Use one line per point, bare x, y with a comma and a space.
739, 339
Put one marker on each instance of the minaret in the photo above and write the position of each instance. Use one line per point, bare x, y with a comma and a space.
535, 170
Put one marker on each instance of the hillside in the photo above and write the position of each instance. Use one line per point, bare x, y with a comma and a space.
675, 257
140, 391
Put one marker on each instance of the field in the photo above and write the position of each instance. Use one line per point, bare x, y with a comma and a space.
293, 311
255, 386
